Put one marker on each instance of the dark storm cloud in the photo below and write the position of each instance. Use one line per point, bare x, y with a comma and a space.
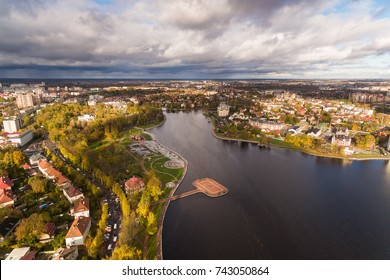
214, 37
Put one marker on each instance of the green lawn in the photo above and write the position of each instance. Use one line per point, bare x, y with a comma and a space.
283, 144
156, 163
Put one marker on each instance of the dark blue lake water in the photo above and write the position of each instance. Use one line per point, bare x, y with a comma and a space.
281, 204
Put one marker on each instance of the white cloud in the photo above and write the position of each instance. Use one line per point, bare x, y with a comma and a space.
228, 38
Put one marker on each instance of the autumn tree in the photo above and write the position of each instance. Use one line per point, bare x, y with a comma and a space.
18, 158
9, 212
153, 186
125, 252
38, 184
30, 229
365, 141
128, 229
97, 242
151, 223
143, 205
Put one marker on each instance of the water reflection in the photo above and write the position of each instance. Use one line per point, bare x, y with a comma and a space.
333, 161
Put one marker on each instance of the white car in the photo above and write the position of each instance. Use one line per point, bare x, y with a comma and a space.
115, 239
109, 247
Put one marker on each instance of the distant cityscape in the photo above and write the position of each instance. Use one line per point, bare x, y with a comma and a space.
82, 179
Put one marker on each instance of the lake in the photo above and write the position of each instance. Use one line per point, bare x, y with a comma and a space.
282, 204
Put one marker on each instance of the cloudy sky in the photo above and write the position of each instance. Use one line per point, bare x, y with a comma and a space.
194, 39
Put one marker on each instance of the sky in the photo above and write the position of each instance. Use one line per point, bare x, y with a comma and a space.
195, 39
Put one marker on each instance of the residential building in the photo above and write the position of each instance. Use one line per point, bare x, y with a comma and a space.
294, 130
12, 124
72, 194
239, 116
27, 100
7, 198
51, 173
81, 208
266, 125
342, 131
16, 139
6, 183
36, 158
62, 181
30, 256
134, 184
78, 232
49, 233
341, 140
18, 253
44, 167
19, 139
7, 227
66, 254
223, 110
314, 132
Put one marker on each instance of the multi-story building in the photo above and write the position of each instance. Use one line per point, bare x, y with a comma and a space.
16, 139
78, 232
266, 125
223, 110
72, 194
341, 140
27, 100
80, 208
12, 124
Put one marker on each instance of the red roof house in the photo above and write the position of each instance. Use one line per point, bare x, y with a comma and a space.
6, 183
72, 194
134, 184
6, 198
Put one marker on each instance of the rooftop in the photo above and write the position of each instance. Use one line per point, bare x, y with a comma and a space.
73, 192
134, 182
79, 227
81, 205
18, 253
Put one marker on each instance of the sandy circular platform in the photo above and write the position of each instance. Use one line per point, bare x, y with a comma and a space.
173, 164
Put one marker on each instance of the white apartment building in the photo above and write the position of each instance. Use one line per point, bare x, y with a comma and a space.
223, 110
12, 124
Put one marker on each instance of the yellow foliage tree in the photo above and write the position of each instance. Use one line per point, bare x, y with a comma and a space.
151, 224
125, 252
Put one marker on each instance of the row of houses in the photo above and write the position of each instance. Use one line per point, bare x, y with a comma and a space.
81, 225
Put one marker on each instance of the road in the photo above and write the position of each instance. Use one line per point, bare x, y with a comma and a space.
107, 196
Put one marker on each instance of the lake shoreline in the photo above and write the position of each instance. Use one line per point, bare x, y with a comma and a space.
300, 149
172, 192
